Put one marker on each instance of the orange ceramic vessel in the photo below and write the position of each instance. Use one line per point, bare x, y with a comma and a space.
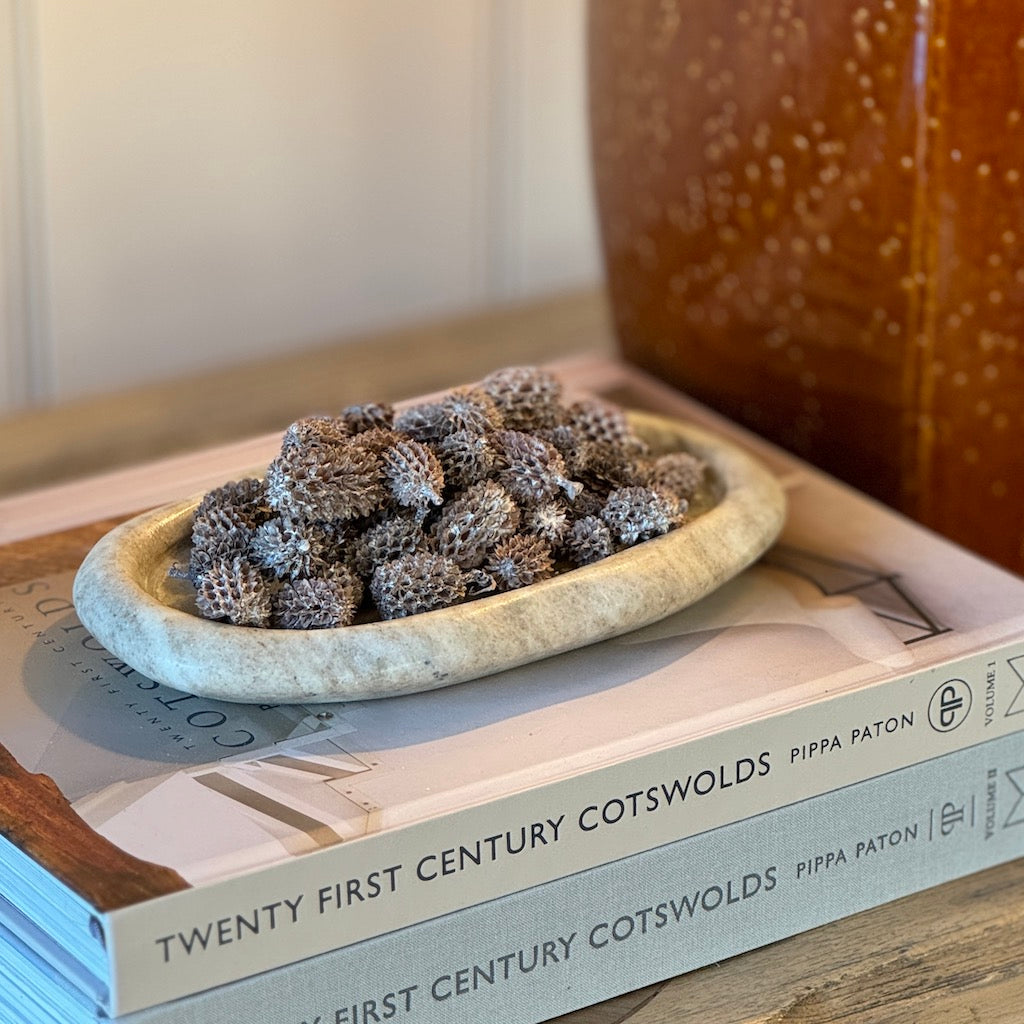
812, 214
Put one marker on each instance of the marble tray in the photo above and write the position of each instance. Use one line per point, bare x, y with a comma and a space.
125, 597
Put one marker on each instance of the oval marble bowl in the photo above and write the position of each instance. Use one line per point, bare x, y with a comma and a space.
125, 597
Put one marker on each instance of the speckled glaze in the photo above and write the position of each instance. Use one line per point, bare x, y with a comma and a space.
813, 221
125, 598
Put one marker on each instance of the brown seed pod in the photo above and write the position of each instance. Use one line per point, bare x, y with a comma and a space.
527, 397
474, 522
315, 603
519, 561
634, 514
588, 541
233, 589
326, 481
416, 583
530, 469
413, 474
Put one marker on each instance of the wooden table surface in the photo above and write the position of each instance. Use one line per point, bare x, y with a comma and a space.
954, 953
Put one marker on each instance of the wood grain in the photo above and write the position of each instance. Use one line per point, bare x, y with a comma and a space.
36, 817
49, 445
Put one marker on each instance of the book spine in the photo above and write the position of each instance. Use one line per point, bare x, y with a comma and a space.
588, 937
186, 942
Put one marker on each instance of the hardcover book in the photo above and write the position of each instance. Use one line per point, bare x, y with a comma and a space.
157, 844
571, 942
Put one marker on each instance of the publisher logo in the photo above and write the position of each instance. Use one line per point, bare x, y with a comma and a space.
950, 705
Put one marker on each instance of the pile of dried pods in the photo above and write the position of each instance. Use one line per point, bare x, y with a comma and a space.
376, 512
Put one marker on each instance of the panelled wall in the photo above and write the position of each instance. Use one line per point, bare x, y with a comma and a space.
186, 184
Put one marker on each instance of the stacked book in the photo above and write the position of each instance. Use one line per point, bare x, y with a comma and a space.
840, 725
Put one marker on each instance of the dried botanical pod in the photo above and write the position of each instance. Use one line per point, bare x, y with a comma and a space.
549, 520
531, 470
326, 481
218, 532
234, 589
416, 583
414, 475
605, 465
528, 398
342, 576
598, 420
379, 439
567, 440
246, 497
474, 522
634, 514
679, 472
392, 537
315, 603
423, 422
588, 541
519, 561
315, 430
288, 548
466, 458
470, 409
587, 503
369, 416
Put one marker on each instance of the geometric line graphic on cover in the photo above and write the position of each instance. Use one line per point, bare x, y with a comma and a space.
283, 810
1016, 707
881, 592
1016, 815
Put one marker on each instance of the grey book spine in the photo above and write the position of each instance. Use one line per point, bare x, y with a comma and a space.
530, 956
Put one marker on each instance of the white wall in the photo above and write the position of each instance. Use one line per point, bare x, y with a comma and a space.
186, 184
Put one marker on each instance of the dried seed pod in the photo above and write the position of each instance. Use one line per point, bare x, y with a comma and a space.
470, 409
588, 541
397, 535
519, 561
369, 416
634, 514
218, 532
379, 439
423, 422
474, 522
549, 520
234, 589
598, 420
315, 603
326, 481
527, 397
466, 458
288, 548
679, 472
414, 475
315, 430
416, 583
605, 465
531, 470
246, 497
567, 440
345, 578
587, 503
